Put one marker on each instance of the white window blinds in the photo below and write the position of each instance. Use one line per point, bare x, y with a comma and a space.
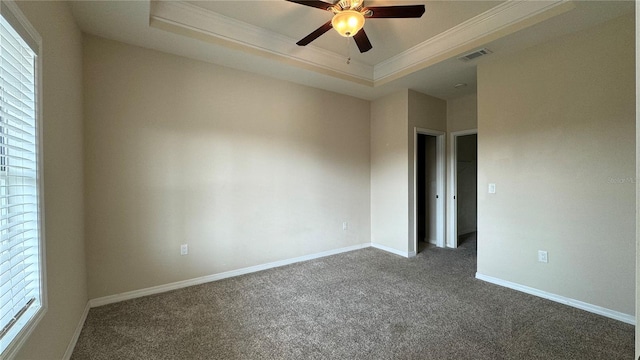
20, 260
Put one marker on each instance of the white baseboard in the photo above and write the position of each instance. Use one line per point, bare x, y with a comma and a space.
208, 278
629, 319
394, 251
76, 333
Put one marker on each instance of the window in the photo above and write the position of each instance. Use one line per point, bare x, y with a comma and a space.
21, 252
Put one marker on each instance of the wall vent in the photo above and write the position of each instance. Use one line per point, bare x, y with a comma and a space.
474, 55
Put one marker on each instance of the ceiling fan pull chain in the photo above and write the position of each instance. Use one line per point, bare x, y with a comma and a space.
348, 51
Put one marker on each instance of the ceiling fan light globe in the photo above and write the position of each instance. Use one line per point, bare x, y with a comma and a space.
348, 22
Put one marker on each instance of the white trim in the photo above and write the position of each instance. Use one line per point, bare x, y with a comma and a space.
494, 22
616, 315
441, 175
40, 146
407, 254
637, 222
209, 278
452, 185
222, 27
76, 333
485, 24
16, 344
441, 181
18, 341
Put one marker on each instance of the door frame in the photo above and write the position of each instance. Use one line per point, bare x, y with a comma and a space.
452, 207
440, 184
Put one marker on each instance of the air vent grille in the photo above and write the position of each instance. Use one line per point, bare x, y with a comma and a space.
474, 55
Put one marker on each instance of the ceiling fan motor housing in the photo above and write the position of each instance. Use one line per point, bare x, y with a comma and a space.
350, 5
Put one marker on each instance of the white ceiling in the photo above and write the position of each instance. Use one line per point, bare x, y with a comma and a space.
420, 54
388, 36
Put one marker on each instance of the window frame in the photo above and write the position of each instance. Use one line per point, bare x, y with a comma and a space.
14, 16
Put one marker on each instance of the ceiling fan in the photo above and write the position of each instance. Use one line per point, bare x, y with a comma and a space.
349, 15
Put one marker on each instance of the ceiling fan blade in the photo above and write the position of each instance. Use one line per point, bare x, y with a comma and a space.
362, 40
398, 11
313, 3
315, 34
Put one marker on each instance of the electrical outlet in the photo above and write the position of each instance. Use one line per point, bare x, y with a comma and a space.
184, 249
543, 256
492, 188
345, 226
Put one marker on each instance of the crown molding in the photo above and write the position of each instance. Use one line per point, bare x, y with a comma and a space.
196, 22
205, 25
447, 43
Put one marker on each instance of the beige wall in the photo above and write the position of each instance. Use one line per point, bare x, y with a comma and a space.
389, 169
179, 151
393, 120
556, 135
63, 179
426, 112
245, 169
462, 113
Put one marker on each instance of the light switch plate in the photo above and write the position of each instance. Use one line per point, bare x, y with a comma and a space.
543, 256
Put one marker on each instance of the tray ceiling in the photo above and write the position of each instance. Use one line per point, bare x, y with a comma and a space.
421, 54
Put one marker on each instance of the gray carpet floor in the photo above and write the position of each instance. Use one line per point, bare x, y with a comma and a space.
365, 304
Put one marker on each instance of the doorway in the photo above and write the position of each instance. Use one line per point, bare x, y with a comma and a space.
429, 187
463, 212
